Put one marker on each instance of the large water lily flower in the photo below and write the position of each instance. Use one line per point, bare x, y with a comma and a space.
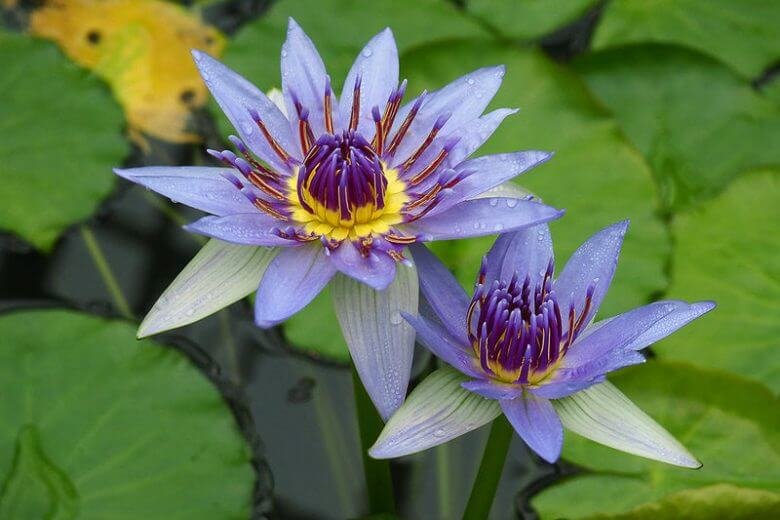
327, 184
524, 345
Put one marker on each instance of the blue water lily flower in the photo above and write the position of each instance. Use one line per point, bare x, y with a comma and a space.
525, 345
320, 184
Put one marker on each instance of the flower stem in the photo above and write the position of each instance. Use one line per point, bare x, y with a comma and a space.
105, 272
489, 474
377, 472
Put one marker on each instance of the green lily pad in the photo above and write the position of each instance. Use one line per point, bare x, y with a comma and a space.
717, 502
698, 123
99, 425
741, 34
62, 134
596, 175
254, 52
730, 423
727, 251
528, 19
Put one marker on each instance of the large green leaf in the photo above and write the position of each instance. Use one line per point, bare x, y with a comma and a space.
742, 34
731, 424
729, 251
717, 502
98, 425
595, 174
62, 133
527, 19
340, 28
697, 123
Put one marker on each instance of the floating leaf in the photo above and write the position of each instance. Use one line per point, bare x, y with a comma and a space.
720, 501
595, 174
528, 19
727, 251
698, 124
731, 424
741, 34
97, 425
142, 49
58, 144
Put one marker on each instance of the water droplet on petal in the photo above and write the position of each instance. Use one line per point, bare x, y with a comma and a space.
396, 318
438, 433
367, 52
493, 202
511, 203
470, 81
284, 53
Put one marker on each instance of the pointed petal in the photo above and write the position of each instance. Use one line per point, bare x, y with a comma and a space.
479, 217
626, 332
491, 389
377, 68
593, 263
680, 316
450, 350
442, 291
563, 387
236, 97
202, 188
254, 229
536, 422
487, 172
604, 414
438, 410
380, 341
303, 77
527, 252
292, 280
474, 134
217, 276
465, 99
376, 270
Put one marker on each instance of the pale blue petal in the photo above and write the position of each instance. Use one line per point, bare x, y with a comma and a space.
377, 269
442, 291
450, 350
380, 342
594, 263
491, 389
480, 217
536, 422
474, 134
678, 318
465, 99
236, 97
622, 332
303, 73
199, 187
437, 410
292, 280
252, 229
377, 68
487, 172
527, 252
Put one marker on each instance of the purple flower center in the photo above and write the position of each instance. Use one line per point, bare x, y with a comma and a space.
342, 172
517, 330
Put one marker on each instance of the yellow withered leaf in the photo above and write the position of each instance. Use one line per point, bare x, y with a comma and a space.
142, 49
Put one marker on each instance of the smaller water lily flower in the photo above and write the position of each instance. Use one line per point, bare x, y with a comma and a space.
322, 187
524, 345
